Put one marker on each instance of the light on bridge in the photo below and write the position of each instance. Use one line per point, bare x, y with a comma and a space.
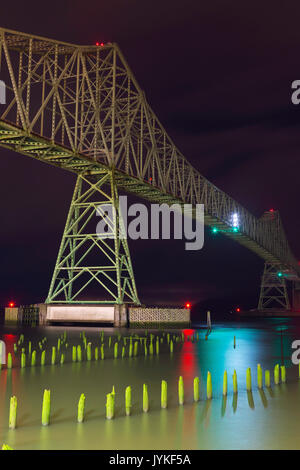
238, 309
11, 304
187, 305
214, 229
279, 274
235, 222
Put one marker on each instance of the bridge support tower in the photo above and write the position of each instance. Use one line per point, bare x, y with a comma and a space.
94, 251
273, 291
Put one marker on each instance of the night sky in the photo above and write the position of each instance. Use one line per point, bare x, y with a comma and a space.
218, 75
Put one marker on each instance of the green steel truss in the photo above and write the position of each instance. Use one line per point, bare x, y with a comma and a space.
88, 257
81, 109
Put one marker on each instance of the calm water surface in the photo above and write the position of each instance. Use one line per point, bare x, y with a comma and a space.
267, 419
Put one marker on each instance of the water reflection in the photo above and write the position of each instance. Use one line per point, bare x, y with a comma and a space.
205, 424
250, 400
223, 409
263, 398
234, 402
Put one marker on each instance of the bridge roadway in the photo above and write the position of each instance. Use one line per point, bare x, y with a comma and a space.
81, 109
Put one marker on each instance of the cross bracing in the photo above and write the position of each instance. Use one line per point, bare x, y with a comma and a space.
80, 108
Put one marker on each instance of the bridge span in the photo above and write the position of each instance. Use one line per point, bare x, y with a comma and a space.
81, 109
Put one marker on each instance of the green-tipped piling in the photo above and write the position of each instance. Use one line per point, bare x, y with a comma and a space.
43, 358
234, 380
267, 379
81, 403
164, 394
157, 346
130, 349
151, 348
116, 350
145, 349
171, 346
283, 374
33, 358
109, 342
13, 413
180, 391
79, 353
110, 406
145, 399
96, 353
123, 351
53, 356
208, 386
46, 408
196, 389
58, 345
259, 376
102, 352
23, 359
62, 358
135, 348
276, 374
89, 352
225, 383
248, 380
9, 361
128, 400
6, 447
29, 348
74, 354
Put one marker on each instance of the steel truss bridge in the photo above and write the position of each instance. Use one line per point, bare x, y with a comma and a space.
81, 109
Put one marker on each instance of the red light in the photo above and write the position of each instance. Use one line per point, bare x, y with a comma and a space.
102, 44
238, 309
97, 43
187, 305
188, 332
271, 210
11, 304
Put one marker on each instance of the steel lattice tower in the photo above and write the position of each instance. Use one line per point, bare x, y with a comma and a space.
88, 255
273, 291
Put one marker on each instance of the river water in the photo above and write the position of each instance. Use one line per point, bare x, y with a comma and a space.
267, 419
